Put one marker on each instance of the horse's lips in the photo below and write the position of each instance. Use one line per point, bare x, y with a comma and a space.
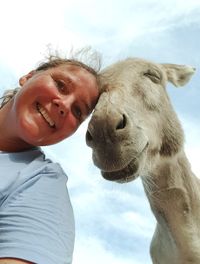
127, 173
129, 170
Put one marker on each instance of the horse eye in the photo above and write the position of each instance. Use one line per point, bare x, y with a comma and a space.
154, 77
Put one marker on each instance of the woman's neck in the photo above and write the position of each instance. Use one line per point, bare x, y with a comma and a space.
10, 145
9, 141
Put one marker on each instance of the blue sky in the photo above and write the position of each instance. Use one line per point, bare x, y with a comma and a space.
114, 224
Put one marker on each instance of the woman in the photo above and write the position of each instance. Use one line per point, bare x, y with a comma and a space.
36, 218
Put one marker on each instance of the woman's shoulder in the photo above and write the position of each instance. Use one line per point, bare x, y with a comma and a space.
22, 168
42, 163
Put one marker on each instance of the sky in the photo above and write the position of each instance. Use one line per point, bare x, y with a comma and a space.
114, 224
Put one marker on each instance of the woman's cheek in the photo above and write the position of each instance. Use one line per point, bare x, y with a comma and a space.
29, 130
71, 125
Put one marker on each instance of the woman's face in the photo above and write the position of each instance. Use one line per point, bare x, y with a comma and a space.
53, 103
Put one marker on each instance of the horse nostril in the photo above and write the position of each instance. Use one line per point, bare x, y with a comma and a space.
89, 137
122, 123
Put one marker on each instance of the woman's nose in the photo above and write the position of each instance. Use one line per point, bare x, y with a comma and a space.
63, 106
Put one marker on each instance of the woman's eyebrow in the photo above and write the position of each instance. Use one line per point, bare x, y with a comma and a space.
69, 81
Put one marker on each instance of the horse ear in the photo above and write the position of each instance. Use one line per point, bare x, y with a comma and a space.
178, 75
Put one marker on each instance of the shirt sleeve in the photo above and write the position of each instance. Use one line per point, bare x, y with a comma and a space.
36, 220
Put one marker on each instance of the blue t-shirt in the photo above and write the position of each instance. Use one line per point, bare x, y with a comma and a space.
36, 217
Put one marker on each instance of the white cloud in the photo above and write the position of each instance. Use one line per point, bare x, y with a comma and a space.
28, 27
192, 144
91, 250
140, 225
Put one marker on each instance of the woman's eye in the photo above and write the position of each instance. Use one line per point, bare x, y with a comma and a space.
77, 112
60, 85
153, 77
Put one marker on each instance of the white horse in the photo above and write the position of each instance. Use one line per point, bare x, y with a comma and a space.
135, 131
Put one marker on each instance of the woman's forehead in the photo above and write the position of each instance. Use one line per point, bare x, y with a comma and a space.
74, 72
70, 67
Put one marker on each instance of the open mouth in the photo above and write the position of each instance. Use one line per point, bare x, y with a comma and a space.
45, 115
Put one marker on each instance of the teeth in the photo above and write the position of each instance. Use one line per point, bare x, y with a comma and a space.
45, 115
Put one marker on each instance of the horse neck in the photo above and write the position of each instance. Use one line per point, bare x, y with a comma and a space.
174, 195
169, 172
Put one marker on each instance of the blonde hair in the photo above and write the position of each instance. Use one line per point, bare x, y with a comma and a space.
56, 60
7, 96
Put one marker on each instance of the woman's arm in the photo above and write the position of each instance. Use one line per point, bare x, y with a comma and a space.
13, 261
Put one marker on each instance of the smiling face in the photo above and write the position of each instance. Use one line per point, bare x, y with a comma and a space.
52, 104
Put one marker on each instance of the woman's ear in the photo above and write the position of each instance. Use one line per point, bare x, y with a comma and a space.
25, 78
